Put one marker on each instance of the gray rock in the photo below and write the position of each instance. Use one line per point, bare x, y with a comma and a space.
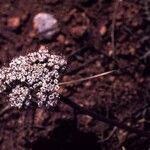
45, 25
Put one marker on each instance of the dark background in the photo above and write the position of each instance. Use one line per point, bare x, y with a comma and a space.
86, 38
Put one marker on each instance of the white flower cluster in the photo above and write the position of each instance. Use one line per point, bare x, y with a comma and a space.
33, 77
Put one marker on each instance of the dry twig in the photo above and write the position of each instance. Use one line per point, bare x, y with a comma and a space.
87, 78
116, 5
85, 111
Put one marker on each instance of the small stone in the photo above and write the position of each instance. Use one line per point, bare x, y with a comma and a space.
135, 23
132, 50
13, 22
39, 116
88, 84
78, 31
61, 39
110, 53
103, 30
98, 64
65, 78
122, 135
112, 78
45, 25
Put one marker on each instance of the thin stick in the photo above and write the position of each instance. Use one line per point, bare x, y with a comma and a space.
87, 78
113, 25
85, 111
4, 110
81, 66
110, 135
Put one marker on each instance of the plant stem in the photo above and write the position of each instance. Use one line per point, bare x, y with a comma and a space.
87, 78
85, 111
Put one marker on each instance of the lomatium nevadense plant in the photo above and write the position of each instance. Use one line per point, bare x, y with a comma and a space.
33, 77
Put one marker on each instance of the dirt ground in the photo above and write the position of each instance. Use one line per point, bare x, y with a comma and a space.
95, 36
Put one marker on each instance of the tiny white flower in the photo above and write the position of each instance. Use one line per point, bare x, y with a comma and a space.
41, 76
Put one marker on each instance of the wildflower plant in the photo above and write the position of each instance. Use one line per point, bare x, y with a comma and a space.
33, 77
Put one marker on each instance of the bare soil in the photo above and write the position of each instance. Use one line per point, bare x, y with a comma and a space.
87, 28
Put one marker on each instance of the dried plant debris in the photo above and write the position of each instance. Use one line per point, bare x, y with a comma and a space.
33, 77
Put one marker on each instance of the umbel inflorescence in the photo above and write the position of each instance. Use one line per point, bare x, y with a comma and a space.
33, 77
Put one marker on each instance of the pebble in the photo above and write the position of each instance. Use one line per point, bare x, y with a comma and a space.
78, 31
39, 116
61, 39
132, 50
13, 22
103, 30
88, 84
45, 25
